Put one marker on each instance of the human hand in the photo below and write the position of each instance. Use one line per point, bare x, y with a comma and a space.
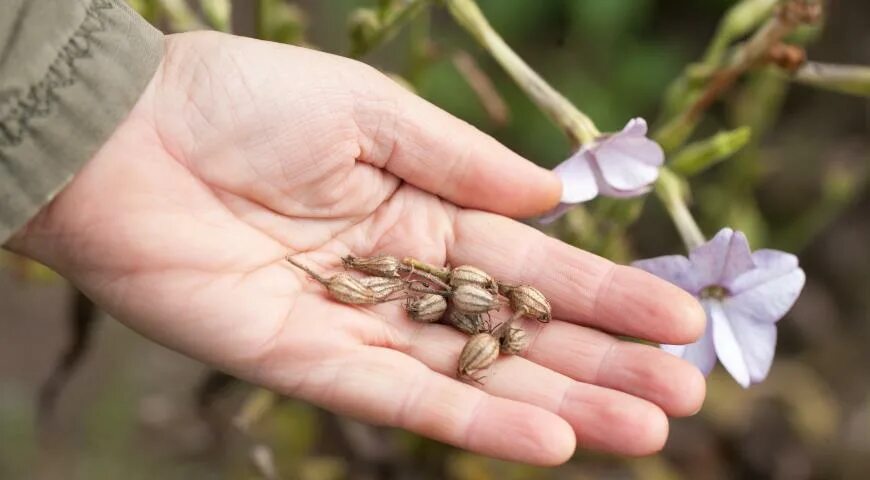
241, 151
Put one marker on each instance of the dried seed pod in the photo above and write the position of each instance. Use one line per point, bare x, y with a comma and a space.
384, 287
470, 323
380, 265
427, 308
470, 275
341, 286
514, 341
473, 299
479, 353
529, 298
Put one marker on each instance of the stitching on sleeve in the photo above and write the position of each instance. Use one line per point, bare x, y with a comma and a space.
17, 111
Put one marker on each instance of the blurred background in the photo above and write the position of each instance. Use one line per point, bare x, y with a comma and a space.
134, 410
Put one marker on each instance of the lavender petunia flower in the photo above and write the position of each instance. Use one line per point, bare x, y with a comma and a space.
622, 164
744, 295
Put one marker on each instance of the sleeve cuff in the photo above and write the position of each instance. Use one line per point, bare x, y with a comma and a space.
65, 85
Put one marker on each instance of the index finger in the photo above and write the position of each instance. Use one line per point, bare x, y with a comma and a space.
439, 153
582, 287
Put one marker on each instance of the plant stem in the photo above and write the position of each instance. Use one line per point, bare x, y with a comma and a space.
790, 15
577, 125
572, 121
389, 25
849, 79
307, 270
671, 192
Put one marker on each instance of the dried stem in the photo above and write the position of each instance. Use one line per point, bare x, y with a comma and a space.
789, 16
482, 85
418, 266
307, 270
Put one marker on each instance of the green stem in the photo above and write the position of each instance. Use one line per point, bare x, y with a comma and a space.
670, 191
389, 25
849, 79
577, 125
571, 120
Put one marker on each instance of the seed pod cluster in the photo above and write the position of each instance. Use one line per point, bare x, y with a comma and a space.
463, 297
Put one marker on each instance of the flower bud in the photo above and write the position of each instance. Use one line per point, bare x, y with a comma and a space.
383, 287
470, 323
479, 353
381, 265
473, 299
529, 300
514, 341
427, 308
469, 275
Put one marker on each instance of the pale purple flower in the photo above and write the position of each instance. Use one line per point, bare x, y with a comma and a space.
744, 295
621, 164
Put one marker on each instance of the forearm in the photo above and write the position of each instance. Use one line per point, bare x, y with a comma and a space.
70, 71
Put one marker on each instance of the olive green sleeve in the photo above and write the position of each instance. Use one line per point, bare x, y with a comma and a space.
70, 71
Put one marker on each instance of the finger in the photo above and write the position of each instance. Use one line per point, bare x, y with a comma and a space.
590, 356
603, 419
581, 287
437, 152
387, 387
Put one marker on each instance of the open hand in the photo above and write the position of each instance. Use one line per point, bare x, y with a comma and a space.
241, 151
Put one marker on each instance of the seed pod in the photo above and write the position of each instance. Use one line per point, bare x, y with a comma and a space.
427, 308
380, 265
341, 286
529, 298
470, 323
513, 342
347, 289
479, 353
473, 299
383, 287
469, 275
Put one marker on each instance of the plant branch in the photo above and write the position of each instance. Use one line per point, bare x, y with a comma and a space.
788, 17
571, 120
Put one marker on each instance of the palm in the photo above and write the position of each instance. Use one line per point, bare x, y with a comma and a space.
232, 170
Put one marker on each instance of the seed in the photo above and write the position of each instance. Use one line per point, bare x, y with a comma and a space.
341, 286
529, 298
470, 323
469, 275
383, 287
473, 299
427, 308
380, 265
514, 341
479, 353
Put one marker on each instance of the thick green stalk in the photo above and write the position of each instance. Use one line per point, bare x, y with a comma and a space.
572, 121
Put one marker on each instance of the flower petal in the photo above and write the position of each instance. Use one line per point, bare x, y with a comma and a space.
766, 295
635, 127
757, 341
725, 340
702, 354
555, 213
722, 259
676, 269
629, 163
578, 180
